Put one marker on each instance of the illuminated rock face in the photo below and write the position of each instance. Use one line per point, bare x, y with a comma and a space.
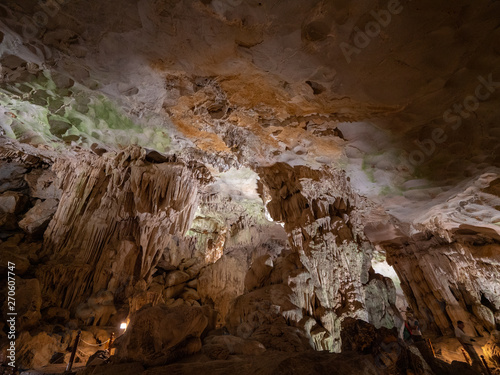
445, 282
114, 219
449, 267
321, 216
253, 160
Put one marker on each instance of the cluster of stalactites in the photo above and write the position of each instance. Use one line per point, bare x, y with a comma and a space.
110, 200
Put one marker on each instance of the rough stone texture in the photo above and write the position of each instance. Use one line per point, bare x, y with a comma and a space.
258, 273
279, 363
277, 335
56, 315
390, 354
445, 282
160, 334
12, 202
492, 348
21, 262
98, 308
8, 224
220, 283
28, 300
263, 306
322, 220
380, 302
42, 184
37, 218
123, 211
267, 153
115, 369
11, 177
233, 345
176, 278
36, 351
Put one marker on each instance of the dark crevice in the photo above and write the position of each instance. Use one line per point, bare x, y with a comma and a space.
486, 302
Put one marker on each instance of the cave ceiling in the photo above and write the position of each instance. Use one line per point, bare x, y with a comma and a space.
402, 95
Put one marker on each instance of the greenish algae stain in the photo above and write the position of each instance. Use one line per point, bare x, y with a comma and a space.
39, 112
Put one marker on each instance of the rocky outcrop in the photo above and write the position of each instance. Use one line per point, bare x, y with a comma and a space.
37, 218
449, 281
28, 302
12, 202
115, 218
97, 310
380, 302
42, 184
161, 334
11, 177
36, 351
391, 356
115, 369
17, 214
265, 306
220, 347
250, 157
281, 363
51, 342
492, 349
321, 217
220, 283
10, 251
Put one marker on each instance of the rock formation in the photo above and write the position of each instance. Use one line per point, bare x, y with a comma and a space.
260, 187
159, 335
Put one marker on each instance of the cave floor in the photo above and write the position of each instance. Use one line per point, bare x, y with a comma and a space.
272, 362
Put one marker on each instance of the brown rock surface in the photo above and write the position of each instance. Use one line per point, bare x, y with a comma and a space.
175, 278
37, 218
220, 283
454, 290
158, 335
492, 348
391, 355
28, 300
42, 184
12, 202
115, 369
258, 273
323, 223
233, 345
136, 215
37, 350
279, 363
21, 262
288, 165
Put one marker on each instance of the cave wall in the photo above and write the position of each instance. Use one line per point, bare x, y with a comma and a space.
445, 281
115, 217
94, 224
322, 218
127, 231
130, 230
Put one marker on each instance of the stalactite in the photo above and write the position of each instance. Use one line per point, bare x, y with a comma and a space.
445, 280
322, 220
108, 200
